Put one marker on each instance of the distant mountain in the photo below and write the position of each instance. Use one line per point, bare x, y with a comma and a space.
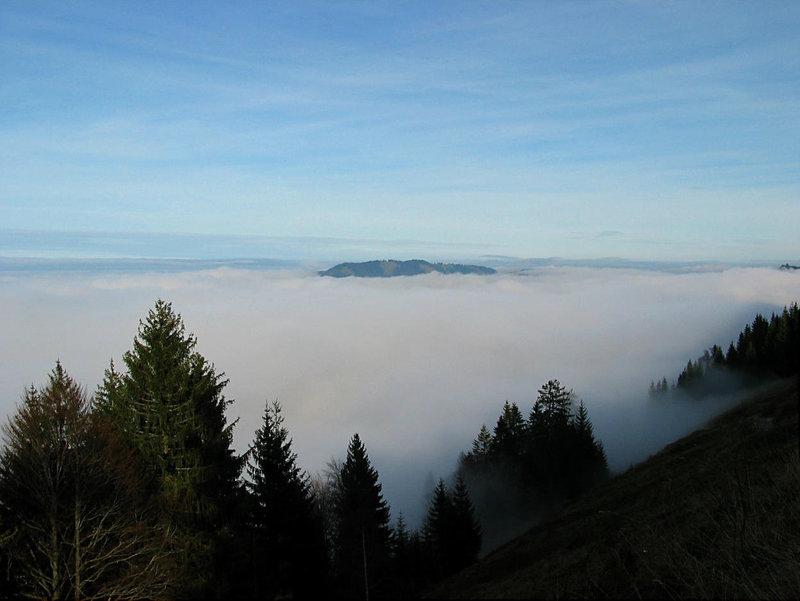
391, 268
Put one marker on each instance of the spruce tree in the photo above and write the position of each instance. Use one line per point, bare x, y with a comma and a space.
451, 530
588, 464
408, 562
362, 539
170, 404
289, 555
466, 528
482, 445
438, 531
551, 410
509, 431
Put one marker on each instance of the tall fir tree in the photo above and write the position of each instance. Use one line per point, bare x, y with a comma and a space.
362, 547
438, 531
509, 431
467, 530
482, 445
170, 404
451, 529
551, 410
289, 554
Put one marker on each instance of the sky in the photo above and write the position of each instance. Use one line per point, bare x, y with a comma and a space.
643, 130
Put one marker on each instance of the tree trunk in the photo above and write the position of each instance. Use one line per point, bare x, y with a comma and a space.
77, 527
364, 552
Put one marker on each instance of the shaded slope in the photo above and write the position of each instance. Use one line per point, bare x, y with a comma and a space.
715, 514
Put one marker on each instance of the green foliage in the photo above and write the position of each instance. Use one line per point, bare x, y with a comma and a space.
170, 406
289, 555
509, 431
467, 530
713, 515
552, 409
482, 445
451, 529
764, 348
527, 469
438, 530
362, 547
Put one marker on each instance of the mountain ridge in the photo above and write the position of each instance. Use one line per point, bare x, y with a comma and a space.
393, 268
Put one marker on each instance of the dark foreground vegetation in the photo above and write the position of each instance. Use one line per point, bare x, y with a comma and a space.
714, 515
765, 348
136, 492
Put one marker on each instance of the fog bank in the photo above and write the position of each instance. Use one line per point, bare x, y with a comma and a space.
415, 365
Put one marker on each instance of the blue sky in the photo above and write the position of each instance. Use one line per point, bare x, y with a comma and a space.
643, 130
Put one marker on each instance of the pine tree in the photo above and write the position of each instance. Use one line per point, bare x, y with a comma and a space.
466, 528
482, 445
551, 410
589, 457
362, 538
438, 530
289, 548
451, 530
170, 405
509, 431
409, 563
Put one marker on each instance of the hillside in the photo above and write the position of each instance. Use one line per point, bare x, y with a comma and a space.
391, 268
715, 514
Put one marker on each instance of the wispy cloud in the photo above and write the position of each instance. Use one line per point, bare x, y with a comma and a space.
316, 119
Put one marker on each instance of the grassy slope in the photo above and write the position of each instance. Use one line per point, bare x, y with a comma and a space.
715, 514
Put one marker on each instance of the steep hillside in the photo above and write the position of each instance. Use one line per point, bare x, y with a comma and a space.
386, 269
715, 514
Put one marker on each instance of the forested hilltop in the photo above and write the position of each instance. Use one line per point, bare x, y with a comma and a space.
765, 348
713, 515
135, 491
391, 268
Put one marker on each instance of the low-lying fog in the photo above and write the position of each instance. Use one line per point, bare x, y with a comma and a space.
414, 365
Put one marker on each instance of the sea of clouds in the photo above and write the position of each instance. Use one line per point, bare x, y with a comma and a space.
414, 365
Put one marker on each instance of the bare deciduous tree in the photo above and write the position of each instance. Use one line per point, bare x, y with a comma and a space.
79, 502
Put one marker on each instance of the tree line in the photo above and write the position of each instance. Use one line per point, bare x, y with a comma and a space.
764, 348
527, 468
136, 491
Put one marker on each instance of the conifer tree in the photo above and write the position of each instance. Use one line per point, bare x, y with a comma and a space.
482, 445
438, 530
589, 464
170, 404
362, 538
551, 410
466, 528
289, 555
409, 563
451, 530
509, 431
